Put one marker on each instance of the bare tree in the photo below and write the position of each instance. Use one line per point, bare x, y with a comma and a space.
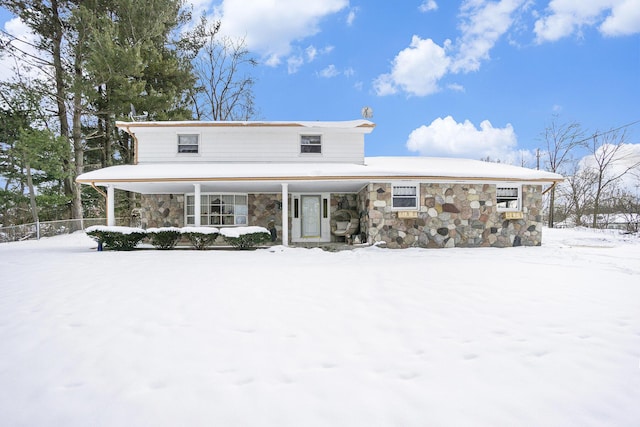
610, 163
577, 192
561, 140
225, 85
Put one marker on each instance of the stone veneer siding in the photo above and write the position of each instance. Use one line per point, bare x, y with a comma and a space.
161, 210
167, 210
451, 215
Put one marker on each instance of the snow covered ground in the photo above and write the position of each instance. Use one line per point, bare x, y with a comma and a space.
300, 337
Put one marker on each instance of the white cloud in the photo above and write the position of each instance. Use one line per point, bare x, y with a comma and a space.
624, 158
624, 19
428, 6
455, 87
448, 138
23, 41
352, 15
329, 72
567, 17
416, 70
270, 27
332, 71
483, 24
294, 63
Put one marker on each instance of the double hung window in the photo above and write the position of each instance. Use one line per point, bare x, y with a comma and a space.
404, 196
310, 144
188, 144
508, 198
218, 209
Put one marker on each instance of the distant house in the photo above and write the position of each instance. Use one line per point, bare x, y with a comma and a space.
311, 182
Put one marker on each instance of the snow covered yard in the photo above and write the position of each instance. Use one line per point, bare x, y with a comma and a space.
299, 337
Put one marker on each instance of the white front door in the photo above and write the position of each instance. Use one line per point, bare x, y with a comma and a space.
310, 216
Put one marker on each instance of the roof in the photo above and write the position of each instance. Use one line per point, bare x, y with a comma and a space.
345, 124
344, 176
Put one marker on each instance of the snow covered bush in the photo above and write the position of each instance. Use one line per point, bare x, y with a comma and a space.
117, 238
164, 237
245, 237
200, 237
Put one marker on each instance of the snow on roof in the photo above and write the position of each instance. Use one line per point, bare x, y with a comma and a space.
345, 124
373, 168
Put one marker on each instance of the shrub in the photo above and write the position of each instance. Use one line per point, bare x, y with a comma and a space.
200, 237
164, 238
117, 238
245, 237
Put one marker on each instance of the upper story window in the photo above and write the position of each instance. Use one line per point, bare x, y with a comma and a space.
404, 196
310, 144
508, 198
188, 144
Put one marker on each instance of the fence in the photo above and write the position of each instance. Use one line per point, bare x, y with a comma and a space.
35, 230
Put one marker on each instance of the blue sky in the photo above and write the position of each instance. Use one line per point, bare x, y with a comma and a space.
467, 78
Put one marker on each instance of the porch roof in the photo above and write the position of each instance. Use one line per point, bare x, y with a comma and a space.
335, 177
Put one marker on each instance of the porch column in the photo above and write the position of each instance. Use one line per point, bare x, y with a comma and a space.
196, 205
111, 216
285, 214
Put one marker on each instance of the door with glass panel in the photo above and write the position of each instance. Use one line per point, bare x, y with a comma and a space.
310, 216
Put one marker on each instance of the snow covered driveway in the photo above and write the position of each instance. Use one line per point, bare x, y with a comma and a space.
300, 337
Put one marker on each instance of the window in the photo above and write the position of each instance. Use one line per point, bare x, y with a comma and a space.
188, 144
508, 198
218, 209
404, 196
310, 144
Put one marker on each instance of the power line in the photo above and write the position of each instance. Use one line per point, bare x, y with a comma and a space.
595, 135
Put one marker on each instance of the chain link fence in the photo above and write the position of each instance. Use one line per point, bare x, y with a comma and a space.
15, 233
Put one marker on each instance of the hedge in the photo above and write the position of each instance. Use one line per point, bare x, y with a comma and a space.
200, 237
117, 238
164, 237
245, 237
127, 238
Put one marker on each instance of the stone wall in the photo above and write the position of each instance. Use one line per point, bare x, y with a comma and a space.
265, 210
452, 215
161, 210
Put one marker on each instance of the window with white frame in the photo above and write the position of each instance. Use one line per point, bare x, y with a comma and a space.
188, 144
508, 197
218, 209
310, 144
404, 196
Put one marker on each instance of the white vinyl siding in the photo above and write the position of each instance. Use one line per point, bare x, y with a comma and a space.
238, 144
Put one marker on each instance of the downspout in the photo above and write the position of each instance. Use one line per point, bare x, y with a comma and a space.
550, 188
93, 184
135, 143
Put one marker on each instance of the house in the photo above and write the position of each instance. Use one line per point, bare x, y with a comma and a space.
309, 181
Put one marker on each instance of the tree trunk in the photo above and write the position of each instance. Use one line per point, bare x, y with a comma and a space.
32, 194
552, 199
